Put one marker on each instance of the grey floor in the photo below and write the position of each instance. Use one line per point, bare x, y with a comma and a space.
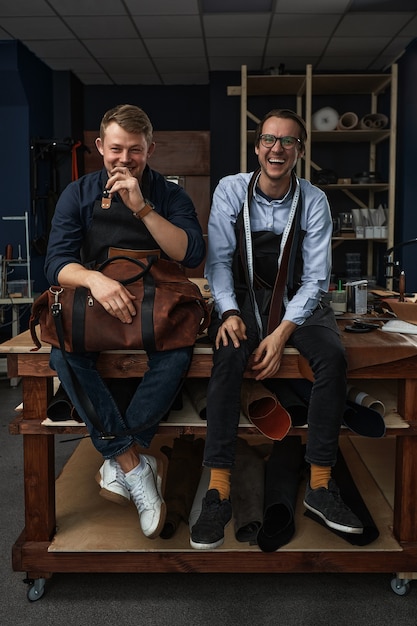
179, 599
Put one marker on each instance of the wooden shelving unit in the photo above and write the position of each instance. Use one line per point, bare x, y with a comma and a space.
304, 91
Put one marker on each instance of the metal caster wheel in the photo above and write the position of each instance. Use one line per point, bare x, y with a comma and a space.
36, 590
400, 586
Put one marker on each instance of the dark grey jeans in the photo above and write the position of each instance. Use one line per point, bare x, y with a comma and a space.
318, 341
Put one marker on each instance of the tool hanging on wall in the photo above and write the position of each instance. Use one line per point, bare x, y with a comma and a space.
49, 164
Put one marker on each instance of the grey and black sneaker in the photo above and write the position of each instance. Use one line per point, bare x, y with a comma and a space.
208, 531
327, 504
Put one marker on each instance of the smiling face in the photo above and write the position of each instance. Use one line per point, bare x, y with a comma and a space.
122, 149
277, 162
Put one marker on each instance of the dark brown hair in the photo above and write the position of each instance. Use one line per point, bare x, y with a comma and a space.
286, 114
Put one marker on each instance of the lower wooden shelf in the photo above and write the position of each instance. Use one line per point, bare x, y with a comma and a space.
94, 535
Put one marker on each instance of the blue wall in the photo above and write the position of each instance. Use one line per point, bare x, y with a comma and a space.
26, 107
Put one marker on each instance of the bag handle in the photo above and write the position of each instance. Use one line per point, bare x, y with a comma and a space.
145, 268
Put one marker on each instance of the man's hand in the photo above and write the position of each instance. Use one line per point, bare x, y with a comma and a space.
113, 296
121, 181
268, 355
234, 328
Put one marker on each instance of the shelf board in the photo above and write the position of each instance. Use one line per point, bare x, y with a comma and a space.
322, 84
349, 83
352, 237
356, 187
350, 136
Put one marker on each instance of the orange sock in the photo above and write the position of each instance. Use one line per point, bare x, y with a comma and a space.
220, 480
319, 476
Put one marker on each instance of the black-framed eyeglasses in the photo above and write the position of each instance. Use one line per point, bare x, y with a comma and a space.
269, 141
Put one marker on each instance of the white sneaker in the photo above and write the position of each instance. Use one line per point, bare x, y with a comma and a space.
146, 492
111, 479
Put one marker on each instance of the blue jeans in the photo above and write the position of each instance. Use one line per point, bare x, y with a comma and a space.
150, 402
323, 349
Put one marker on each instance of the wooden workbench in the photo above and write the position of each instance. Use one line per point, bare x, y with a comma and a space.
373, 356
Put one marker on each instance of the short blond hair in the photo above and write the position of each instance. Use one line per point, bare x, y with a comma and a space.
131, 118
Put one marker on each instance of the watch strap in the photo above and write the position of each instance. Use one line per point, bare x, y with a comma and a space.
148, 207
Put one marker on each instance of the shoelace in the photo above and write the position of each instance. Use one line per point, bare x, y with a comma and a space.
120, 475
138, 496
138, 493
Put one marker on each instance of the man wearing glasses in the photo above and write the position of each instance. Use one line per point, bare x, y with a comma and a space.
241, 278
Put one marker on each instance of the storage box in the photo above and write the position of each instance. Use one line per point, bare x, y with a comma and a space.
18, 288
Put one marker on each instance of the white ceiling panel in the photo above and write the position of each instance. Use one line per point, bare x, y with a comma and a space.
161, 7
75, 64
304, 26
159, 48
163, 41
20, 8
101, 26
185, 64
168, 26
370, 25
120, 48
29, 28
89, 7
290, 47
356, 46
59, 49
253, 25
410, 29
235, 46
312, 6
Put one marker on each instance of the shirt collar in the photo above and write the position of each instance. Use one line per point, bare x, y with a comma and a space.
279, 200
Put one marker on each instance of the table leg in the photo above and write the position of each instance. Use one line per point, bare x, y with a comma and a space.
39, 480
405, 509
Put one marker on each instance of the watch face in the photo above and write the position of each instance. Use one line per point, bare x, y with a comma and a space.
151, 204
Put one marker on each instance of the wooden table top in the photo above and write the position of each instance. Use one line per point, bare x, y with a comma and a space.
362, 349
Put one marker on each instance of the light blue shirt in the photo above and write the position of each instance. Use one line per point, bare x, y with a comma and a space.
269, 215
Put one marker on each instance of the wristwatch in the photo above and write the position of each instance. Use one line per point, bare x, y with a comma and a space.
147, 208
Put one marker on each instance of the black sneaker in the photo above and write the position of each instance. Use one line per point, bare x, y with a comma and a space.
208, 531
327, 504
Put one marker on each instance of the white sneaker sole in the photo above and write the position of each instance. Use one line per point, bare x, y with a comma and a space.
344, 529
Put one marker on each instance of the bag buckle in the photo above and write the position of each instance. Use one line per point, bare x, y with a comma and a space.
56, 306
